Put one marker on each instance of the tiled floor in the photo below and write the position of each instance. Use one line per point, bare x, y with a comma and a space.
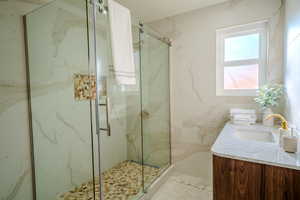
181, 187
122, 182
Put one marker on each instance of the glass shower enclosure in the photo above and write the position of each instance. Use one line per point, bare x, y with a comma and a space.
93, 135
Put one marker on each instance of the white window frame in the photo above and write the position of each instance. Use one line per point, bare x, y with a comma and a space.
261, 28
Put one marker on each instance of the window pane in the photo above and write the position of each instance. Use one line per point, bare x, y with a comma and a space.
241, 77
242, 47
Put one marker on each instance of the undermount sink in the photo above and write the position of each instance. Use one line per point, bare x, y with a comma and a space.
255, 135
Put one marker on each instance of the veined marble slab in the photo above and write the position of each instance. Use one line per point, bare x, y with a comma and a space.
230, 146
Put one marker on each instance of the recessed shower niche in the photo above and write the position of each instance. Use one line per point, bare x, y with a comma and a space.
112, 140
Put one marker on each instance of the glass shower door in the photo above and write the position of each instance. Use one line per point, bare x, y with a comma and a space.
60, 100
118, 123
155, 95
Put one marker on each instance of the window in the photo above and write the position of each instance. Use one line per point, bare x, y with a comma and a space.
241, 59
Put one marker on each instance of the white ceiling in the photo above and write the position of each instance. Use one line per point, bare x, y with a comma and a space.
151, 10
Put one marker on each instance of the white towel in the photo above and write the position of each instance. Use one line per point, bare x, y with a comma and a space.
248, 117
234, 111
122, 47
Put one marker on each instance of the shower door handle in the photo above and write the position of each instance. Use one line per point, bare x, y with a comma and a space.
107, 110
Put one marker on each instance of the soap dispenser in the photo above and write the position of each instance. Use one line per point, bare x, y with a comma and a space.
290, 142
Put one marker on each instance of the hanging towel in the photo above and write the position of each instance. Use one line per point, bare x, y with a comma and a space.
122, 47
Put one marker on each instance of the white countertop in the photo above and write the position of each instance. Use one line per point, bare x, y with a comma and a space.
231, 146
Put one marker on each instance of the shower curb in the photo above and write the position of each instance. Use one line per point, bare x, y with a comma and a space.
157, 184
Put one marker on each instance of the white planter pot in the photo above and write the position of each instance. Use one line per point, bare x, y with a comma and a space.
269, 122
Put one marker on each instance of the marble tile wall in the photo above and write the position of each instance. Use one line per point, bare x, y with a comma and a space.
292, 61
15, 170
58, 49
198, 114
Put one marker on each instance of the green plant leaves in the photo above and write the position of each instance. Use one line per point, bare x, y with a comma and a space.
269, 95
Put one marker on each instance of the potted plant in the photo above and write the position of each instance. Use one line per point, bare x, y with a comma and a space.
268, 98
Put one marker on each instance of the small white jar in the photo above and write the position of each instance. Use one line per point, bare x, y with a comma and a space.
290, 143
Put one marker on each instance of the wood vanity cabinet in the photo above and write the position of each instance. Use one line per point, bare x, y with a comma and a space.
241, 180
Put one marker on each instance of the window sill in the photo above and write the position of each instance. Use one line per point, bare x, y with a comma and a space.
240, 93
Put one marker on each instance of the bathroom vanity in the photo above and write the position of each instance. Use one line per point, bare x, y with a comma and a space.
248, 164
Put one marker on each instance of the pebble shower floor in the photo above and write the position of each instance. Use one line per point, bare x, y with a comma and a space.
122, 182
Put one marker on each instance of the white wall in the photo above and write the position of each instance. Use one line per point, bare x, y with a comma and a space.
292, 61
198, 114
